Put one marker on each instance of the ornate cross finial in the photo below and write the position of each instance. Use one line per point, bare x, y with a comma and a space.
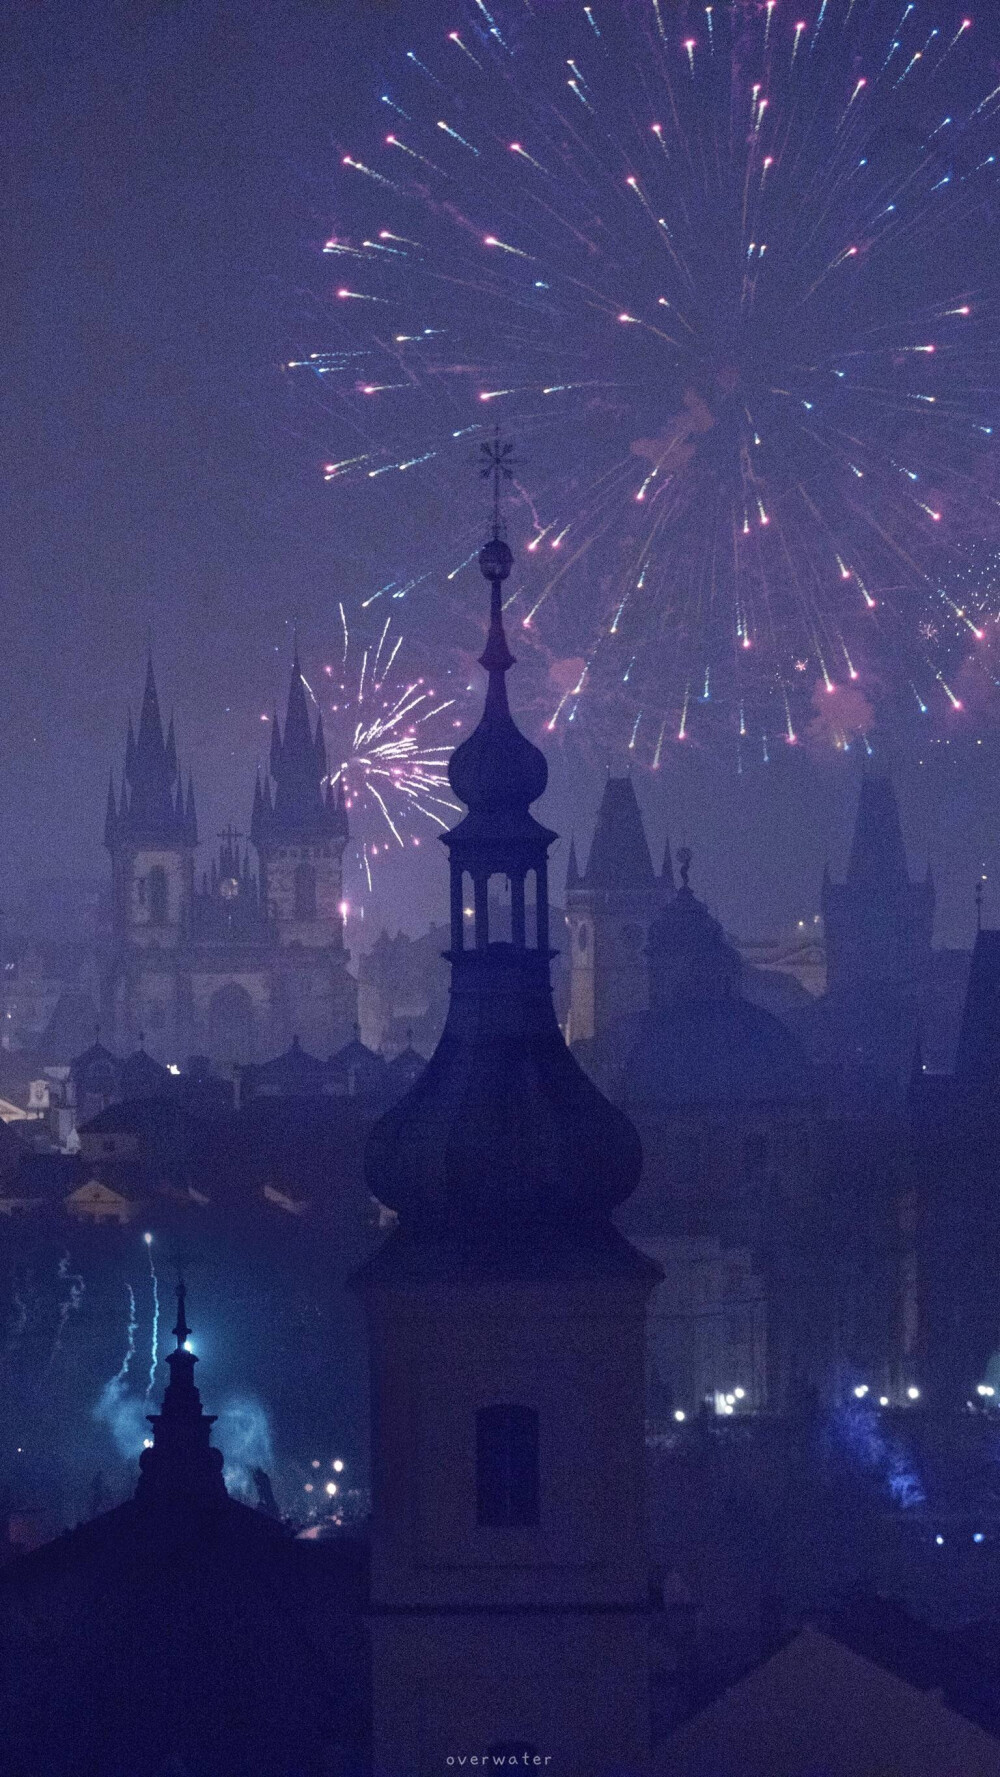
496, 463
684, 857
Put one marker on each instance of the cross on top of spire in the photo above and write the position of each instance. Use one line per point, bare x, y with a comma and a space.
496, 464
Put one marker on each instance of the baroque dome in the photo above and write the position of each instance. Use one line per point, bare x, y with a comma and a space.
716, 1051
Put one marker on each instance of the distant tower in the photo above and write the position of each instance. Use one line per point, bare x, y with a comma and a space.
507, 1330
610, 909
151, 834
181, 1463
878, 924
299, 829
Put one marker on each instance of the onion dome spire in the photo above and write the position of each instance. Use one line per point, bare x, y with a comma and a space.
503, 1133
497, 771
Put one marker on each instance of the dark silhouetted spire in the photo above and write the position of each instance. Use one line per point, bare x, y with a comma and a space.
878, 855
299, 809
619, 855
319, 744
878, 924
497, 772
572, 868
667, 873
181, 1465
690, 957
502, 1133
111, 816
152, 805
190, 817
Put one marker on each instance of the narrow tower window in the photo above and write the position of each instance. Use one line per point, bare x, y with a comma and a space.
158, 895
507, 1465
305, 891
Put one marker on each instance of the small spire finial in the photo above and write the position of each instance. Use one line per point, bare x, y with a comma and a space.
979, 905
181, 1331
684, 863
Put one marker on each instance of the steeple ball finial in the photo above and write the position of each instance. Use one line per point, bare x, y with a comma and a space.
495, 560
497, 769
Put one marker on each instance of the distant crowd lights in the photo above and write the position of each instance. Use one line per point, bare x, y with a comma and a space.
861, 1391
723, 1402
330, 1488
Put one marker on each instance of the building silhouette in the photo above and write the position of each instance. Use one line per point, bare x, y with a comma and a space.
183, 1632
610, 907
878, 926
506, 1317
234, 965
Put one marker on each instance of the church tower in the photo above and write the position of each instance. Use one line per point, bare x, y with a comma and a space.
151, 834
878, 924
300, 831
507, 1333
299, 828
610, 909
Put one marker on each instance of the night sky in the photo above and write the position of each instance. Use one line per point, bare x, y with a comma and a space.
171, 177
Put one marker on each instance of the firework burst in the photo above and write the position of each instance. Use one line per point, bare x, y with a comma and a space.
392, 737
726, 273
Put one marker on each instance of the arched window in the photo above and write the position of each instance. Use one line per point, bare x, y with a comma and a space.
305, 891
158, 896
507, 1465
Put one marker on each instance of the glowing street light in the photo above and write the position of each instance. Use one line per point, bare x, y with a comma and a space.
912, 1394
861, 1391
680, 1415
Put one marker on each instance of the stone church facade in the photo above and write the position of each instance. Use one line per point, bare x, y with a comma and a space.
233, 965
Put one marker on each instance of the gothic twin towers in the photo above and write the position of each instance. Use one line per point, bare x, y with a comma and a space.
234, 965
